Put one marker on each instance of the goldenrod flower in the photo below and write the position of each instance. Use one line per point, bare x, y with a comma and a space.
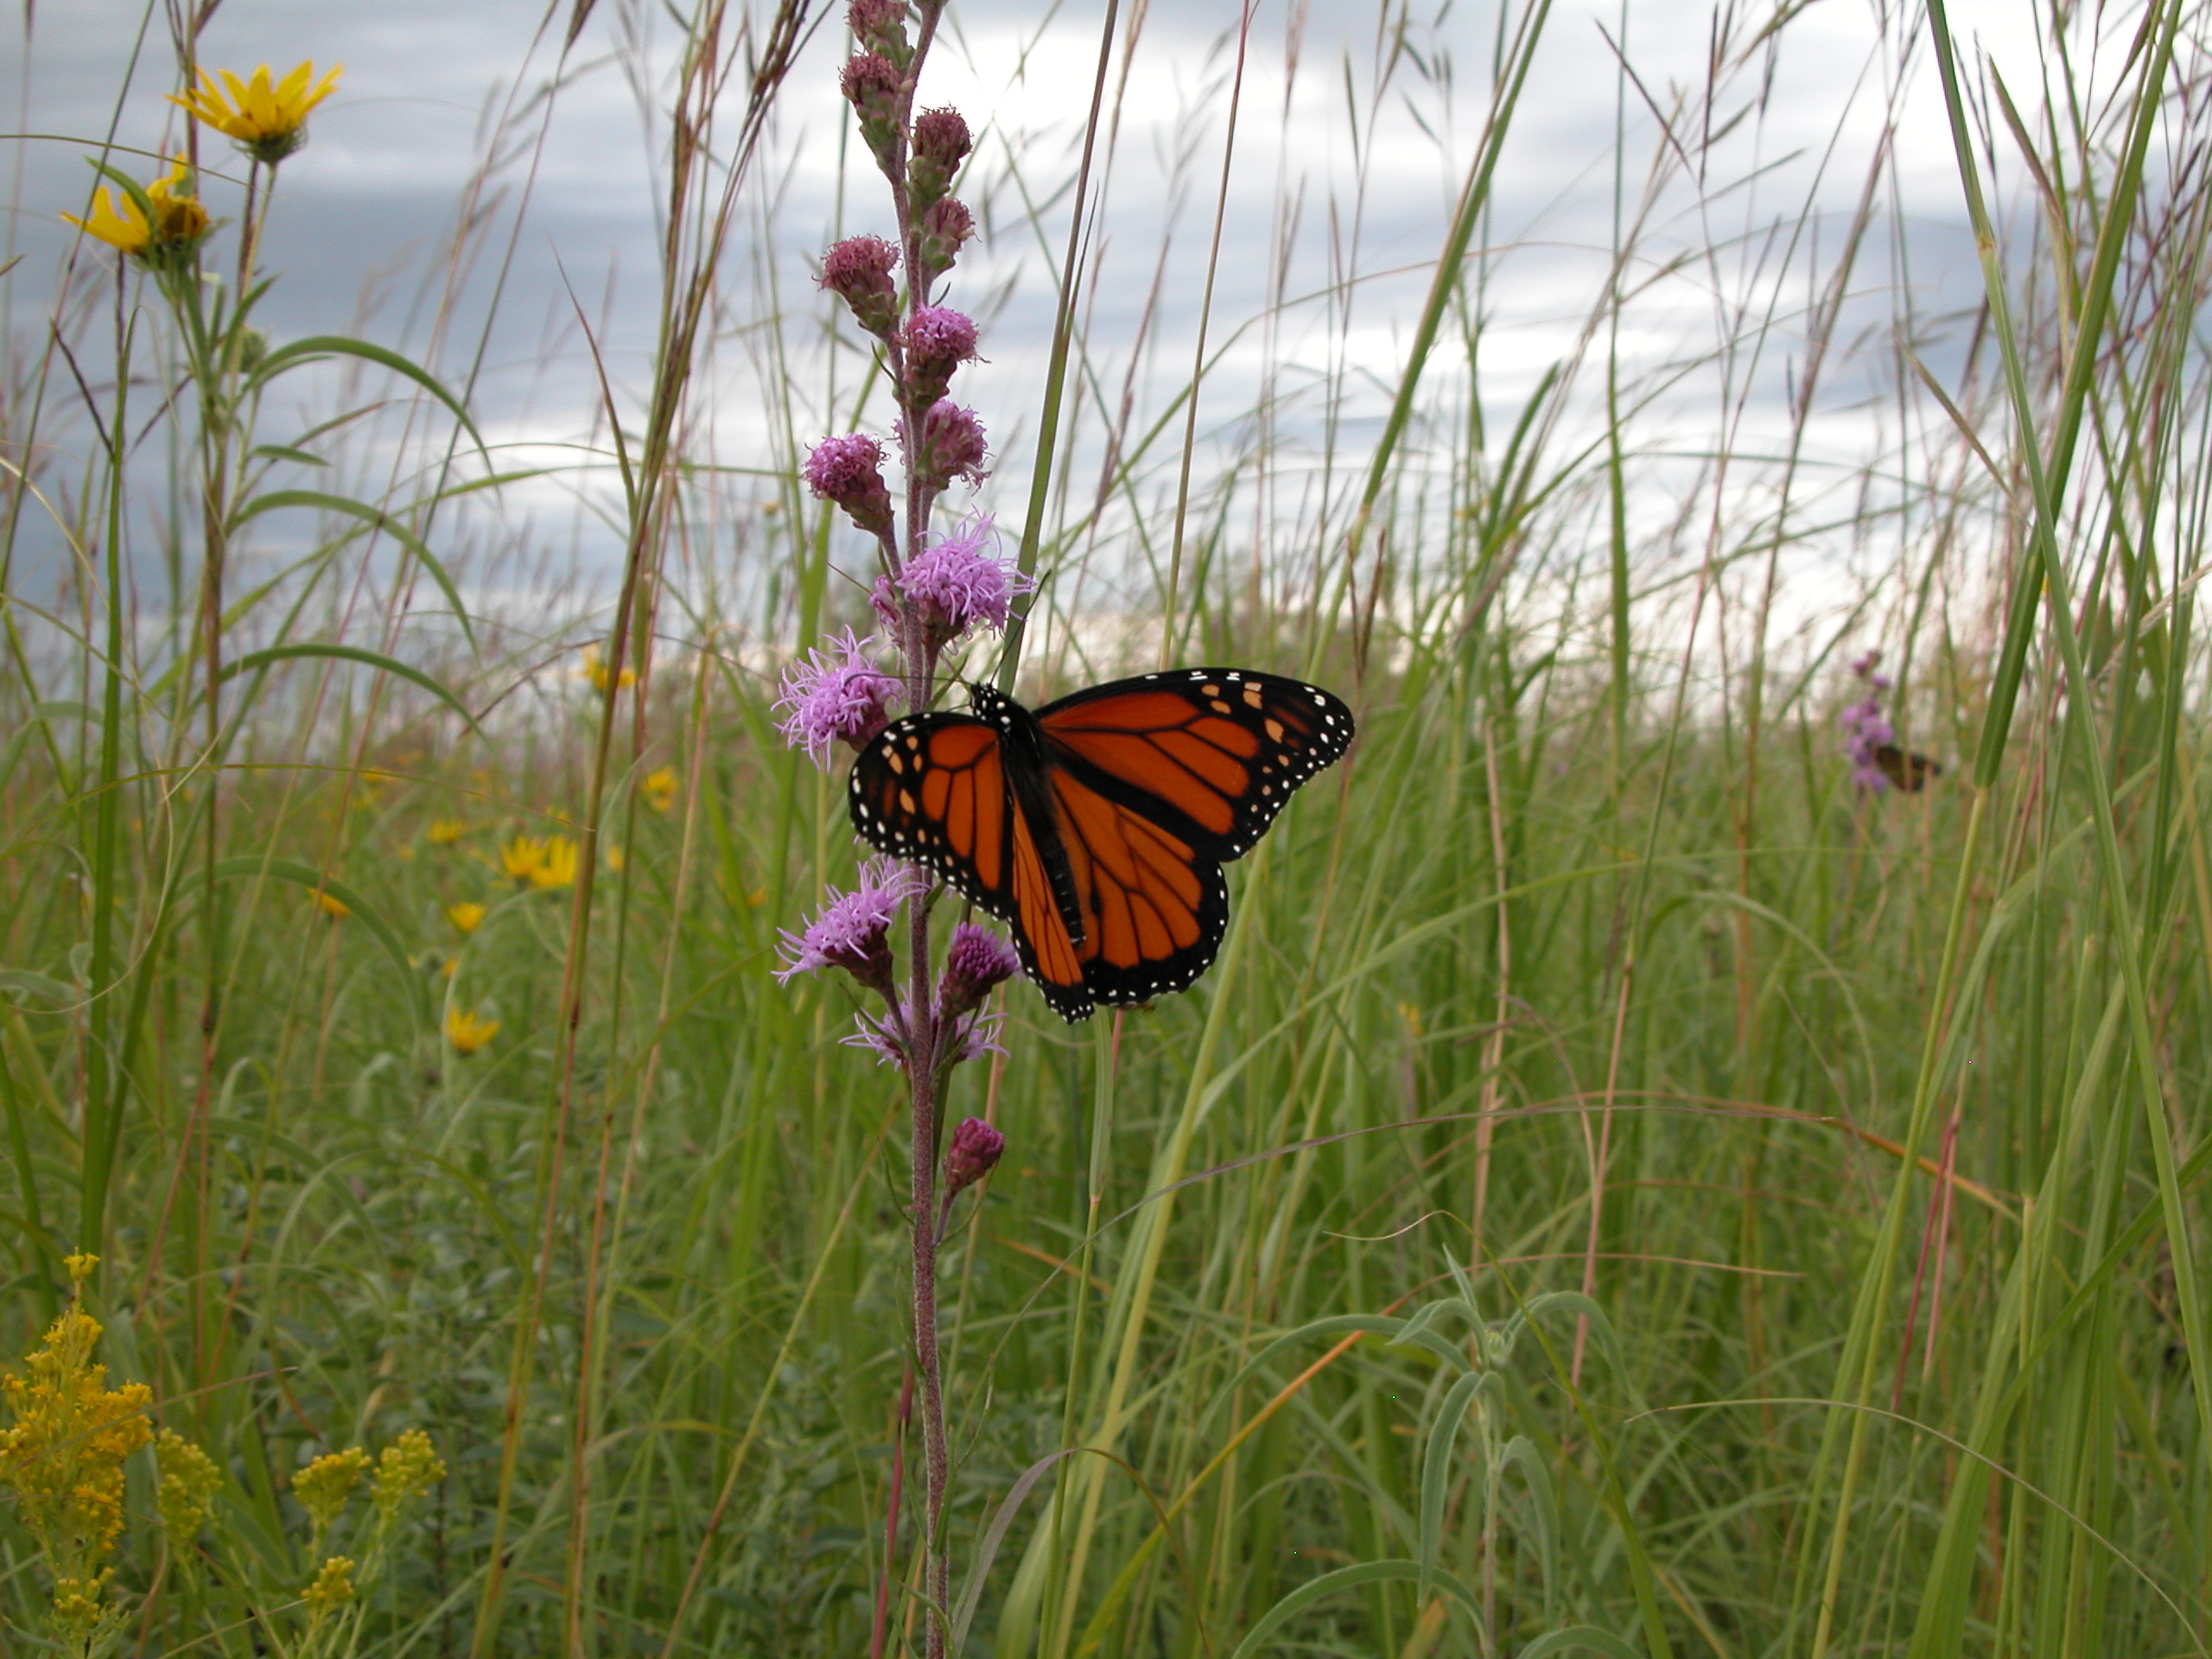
467, 1032
269, 122
178, 224
446, 831
324, 1485
189, 1481
332, 1588
63, 1458
594, 670
332, 906
659, 789
408, 1467
465, 916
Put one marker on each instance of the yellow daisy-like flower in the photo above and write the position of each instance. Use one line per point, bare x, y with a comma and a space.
521, 859
594, 670
267, 120
332, 906
659, 789
178, 224
466, 916
559, 868
444, 832
467, 1031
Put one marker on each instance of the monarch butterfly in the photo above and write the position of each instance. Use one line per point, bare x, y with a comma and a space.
1908, 769
1096, 826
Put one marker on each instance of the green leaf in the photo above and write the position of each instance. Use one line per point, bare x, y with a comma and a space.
273, 654
1578, 1635
368, 515
1348, 1578
314, 880
280, 452
318, 346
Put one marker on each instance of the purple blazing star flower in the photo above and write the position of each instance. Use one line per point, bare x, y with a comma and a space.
978, 960
946, 224
950, 445
858, 269
1865, 730
830, 701
878, 1039
973, 1154
955, 585
975, 1038
941, 143
849, 471
854, 930
937, 341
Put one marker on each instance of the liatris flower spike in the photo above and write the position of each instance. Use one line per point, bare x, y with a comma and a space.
973, 1154
878, 93
854, 930
945, 227
941, 143
1866, 729
849, 471
881, 27
831, 700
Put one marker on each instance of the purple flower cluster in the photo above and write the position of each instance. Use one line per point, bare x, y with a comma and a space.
854, 929
833, 701
972, 1155
938, 339
1866, 729
954, 585
849, 471
947, 443
858, 271
978, 961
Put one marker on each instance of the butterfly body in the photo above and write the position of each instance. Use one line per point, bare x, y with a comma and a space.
1907, 769
1096, 826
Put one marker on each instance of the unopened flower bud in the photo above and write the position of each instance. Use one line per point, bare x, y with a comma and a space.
978, 961
973, 1154
878, 93
946, 224
938, 340
849, 471
858, 271
941, 143
948, 444
881, 27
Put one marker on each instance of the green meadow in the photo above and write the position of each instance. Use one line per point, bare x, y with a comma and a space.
1639, 1179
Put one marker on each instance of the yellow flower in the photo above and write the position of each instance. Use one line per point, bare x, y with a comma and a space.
523, 858
615, 859
324, 1485
178, 224
465, 916
467, 1032
333, 1586
446, 831
63, 1456
452, 966
408, 1467
332, 906
558, 867
594, 670
659, 789
267, 122
189, 1481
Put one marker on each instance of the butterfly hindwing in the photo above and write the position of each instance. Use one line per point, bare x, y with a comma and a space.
1096, 827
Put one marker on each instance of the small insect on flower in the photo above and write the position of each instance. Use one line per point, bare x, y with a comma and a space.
467, 916
467, 1032
266, 120
178, 224
445, 832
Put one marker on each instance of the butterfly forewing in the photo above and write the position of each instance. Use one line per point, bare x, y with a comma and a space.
1212, 752
1096, 827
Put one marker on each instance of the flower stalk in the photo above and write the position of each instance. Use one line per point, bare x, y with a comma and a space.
932, 590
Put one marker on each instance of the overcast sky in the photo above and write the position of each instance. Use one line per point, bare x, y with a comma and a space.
367, 212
